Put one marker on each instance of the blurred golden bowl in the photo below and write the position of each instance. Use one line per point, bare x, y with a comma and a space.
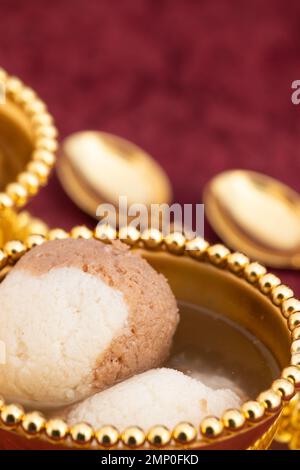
27, 152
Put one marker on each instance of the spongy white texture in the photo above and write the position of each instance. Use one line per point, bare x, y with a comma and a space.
55, 327
159, 396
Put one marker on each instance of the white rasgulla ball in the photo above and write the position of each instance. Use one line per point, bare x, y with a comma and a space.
156, 397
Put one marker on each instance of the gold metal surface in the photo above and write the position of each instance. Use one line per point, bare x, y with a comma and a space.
233, 420
256, 214
96, 167
264, 442
194, 280
288, 431
19, 226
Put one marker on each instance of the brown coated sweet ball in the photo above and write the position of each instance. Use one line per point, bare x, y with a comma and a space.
78, 316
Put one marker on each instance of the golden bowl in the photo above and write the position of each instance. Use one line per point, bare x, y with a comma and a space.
27, 153
208, 277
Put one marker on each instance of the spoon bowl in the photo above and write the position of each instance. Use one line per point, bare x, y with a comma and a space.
96, 167
257, 215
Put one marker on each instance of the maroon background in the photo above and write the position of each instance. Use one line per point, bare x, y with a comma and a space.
202, 85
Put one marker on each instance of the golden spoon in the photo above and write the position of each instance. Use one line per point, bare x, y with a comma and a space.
96, 167
257, 215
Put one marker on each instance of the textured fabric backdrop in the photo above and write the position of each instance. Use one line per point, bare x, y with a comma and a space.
202, 85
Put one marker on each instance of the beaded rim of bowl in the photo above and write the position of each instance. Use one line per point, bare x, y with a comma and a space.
211, 429
37, 170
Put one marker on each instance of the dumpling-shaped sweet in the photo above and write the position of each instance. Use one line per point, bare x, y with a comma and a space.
76, 317
156, 397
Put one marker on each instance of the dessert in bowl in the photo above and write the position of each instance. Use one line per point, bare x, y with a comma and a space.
86, 316
202, 278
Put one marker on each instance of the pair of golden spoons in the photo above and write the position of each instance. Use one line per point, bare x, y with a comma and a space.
251, 212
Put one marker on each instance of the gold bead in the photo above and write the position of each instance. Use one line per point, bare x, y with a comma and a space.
268, 282
107, 436
211, 427
3, 259
295, 347
18, 193
270, 400
294, 443
44, 143
233, 420
284, 387
57, 234
30, 181
294, 320
37, 227
129, 235
218, 254
197, 247
56, 429
253, 411
41, 170
283, 434
81, 433
34, 240
3, 75
11, 415
292, 373
295, 361
81, 231
152, 238
294, 412
6, 202
13, 86
294, 415
133, 437
23, 219
237, 262
290, 306
41, 119
105, 233
46, 132
14, 249
296, 333
184, 433
159, 436
33, 423
281, 293
48, 158
35, 106
175, 243
26, 95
